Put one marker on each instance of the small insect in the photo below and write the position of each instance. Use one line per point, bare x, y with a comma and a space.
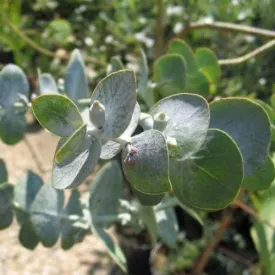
131, 158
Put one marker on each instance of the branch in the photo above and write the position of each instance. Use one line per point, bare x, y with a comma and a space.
42, 50
253, 213
244, 58
230, 27
159, 29
204, 258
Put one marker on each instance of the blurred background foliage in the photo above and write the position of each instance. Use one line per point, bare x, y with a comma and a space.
102, 29
42, 33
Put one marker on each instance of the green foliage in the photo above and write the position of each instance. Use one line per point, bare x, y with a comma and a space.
117, 93
249, 126
198, 154
170, 74
76, 82
211, 179
188, 122
148, 173
58, 114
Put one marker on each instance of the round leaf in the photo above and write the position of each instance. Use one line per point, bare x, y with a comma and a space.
262, 178
212, 178
114, 65
12, 126
197, 83
13, 83
74, 170
148, 200
149, 174
106, 189
189, 120
208, 64
47, 84
117, 93
76, 82
170, 74
248, 124
180, 47
13, 86
45, 214
58, 114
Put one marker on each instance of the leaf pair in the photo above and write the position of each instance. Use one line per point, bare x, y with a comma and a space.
207, 166
42, 216
183, 71
79, 150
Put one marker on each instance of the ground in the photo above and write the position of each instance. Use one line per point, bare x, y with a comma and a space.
35, 152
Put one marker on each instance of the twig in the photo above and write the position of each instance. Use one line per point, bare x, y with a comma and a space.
236, 257
42, 50
253, 213
204, 258
244, 58
224, 26
159, 43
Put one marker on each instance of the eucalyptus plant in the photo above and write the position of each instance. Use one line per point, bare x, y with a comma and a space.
183, 151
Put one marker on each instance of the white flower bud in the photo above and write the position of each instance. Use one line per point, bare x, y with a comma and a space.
160, 121
97, 114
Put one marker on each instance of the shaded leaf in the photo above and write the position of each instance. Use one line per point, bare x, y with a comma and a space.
148, 200
248, 124
149, 174
27, 236
208, 64
167, 226
211, 179
147, 215
114, 65
3, 172
106, 189
113, 249
170, 74
13, 84
6, 207
47, 84
262, 178
180, 47
13, 87
76, 82
25, 192
71, 234
12, 126
143, 90
45, 214
197, 83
